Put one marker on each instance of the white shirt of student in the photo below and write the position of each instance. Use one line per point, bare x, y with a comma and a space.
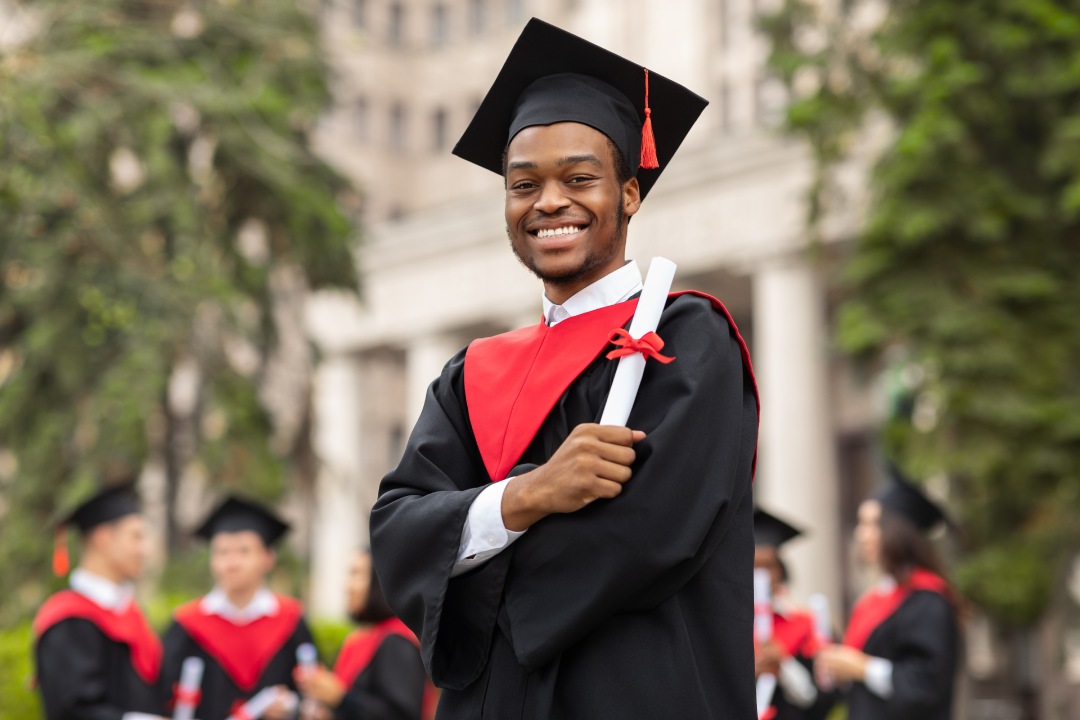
484, 535
112, 597
263, 604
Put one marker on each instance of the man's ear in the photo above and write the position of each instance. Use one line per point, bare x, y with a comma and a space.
631, 196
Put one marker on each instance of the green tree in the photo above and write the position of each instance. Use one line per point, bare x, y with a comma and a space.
969, 259
157, 195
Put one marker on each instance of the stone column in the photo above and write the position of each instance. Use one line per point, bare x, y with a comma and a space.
424, 360
797, 473
340, 522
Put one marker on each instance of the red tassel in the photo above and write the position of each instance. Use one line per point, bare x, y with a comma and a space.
61, 562
648, 142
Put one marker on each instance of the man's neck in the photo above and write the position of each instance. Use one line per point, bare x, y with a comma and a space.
241, 598
96, 565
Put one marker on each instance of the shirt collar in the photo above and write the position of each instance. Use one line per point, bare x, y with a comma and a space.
102, 591
263, 604
613, 288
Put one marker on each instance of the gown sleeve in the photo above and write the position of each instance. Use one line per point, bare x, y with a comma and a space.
572, 572
391, 688
71, 674
924, 665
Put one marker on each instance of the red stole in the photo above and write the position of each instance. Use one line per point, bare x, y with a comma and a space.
361, 645
129, 627
242, 651
794, 632
875, 607
513, 380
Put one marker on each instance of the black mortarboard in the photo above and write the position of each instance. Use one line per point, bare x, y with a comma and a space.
236, 514
107, 505
906, 499
554, 76
771, 530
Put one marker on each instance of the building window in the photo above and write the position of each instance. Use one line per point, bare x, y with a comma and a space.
440, 129
515, 11
397, 25
359, 13
398, 128
477, 16
361, 120
439, 26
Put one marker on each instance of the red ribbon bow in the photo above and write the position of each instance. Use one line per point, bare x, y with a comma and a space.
648, 345
191, 697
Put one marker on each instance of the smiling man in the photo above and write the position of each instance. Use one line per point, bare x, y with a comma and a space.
553, 567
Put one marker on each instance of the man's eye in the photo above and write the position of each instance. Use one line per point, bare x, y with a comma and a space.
580, 178
523, 185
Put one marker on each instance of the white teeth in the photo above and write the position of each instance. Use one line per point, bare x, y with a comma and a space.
557, 231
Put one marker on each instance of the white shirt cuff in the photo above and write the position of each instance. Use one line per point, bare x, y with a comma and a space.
878, 677
140, 716
484, 535
797, 683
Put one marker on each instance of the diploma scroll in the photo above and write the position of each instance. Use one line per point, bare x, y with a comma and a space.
187, 692
624, 387
763, 607
819, 607
307, 659
766, 686
257, 705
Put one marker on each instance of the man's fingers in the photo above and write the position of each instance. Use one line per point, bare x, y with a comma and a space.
619, 454
617, 435
613, 471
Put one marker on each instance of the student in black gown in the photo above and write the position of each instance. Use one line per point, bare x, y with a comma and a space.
553, 567
246, 635
378, 674
97, 657
789, 654
900, 650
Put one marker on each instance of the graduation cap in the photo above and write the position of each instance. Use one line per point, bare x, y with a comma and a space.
237, 514
771, 530
554, 76
906, 499
107, 505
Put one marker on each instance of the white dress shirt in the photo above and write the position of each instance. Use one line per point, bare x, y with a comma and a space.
112, 597
794, 678
263, 604
484, 534
878, 677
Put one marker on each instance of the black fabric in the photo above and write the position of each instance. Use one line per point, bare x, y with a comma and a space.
390, 688
921, 639
544, 50
237, 514
637, 607
107, 505
84, 675
219, 692
376, 609
771, 530
904, 498
818, 710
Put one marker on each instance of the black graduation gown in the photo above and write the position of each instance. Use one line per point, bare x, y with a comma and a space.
818, 710
220, 691
921, 639
84, 675
391, 687
794, 631
637, 607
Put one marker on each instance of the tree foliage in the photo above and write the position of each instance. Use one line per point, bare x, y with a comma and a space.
969, 259
157, 191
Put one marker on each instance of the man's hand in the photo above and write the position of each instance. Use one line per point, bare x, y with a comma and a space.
841, 663
284, 705
767, 659
592, 463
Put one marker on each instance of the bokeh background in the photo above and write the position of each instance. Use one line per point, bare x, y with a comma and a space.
235, 249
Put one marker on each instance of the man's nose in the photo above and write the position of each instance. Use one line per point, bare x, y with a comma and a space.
551, 199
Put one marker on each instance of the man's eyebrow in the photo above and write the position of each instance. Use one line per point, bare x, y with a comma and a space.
521, 165
575, 159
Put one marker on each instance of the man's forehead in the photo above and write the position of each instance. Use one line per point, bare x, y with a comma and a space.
559, 143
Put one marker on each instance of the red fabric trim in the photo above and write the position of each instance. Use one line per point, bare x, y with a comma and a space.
242, 651
129, 628
361, 645
794, 633
513, 380
875, 607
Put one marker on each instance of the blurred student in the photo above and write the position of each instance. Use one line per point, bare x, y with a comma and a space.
97, 657
379, 674
900, 650
788, 655
246, 634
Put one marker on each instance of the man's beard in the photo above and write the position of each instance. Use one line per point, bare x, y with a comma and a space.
592, 260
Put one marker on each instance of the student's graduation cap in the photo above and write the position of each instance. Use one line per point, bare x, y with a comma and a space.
554, 76
771, 530
107, 505
906, 499
236, 514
